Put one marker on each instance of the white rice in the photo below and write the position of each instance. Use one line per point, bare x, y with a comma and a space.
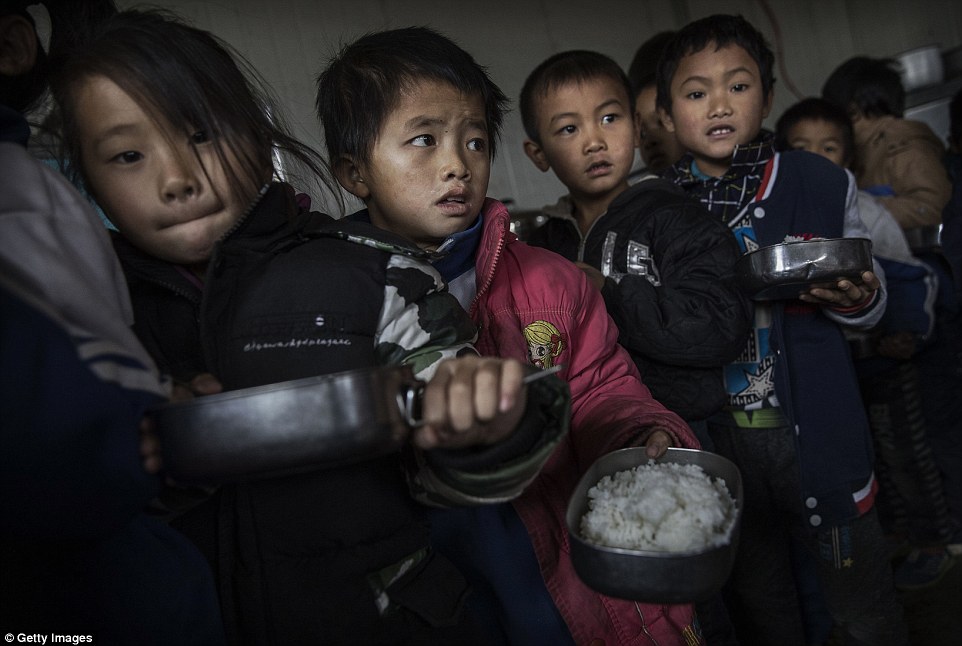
662, 507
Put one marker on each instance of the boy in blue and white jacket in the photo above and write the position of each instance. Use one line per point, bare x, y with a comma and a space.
794, 424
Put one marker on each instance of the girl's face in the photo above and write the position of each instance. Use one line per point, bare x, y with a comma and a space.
165, 191
429, 168
717, 103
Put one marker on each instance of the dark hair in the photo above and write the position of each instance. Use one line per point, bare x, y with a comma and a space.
815, 109
644, 66
573, 66
873, 86
364, 81
187, 78
721, 30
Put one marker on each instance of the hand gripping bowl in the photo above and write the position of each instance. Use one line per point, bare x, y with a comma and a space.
646, 575
287, 427
783, 271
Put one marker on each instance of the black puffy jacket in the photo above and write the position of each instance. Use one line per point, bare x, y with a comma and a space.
669, 287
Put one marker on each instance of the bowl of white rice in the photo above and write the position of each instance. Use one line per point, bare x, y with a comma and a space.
658, 531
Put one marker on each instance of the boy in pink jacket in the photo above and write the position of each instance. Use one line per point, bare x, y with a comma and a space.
411, 123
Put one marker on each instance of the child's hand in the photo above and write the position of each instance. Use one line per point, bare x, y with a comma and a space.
658, 442
844, 294
202, 384
471, 400
595, 277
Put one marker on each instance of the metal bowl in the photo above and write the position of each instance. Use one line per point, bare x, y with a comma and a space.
645, 575
784, 271
287, 427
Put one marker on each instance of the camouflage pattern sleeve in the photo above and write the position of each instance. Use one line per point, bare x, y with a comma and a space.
422, 324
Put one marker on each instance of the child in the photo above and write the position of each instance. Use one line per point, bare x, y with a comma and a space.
411, 123
659, 148
795, 424
663, 265
898, 159
78, 555
230, 277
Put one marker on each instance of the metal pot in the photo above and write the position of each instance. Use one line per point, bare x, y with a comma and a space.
921, 67
783, 271
288, 427
652, 576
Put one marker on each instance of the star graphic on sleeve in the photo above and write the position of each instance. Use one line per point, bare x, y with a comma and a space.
759, 385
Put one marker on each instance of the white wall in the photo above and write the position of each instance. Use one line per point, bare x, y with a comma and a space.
288, 41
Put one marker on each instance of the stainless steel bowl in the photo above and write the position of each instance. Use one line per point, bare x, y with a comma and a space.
653, 576
287, 427
783, 271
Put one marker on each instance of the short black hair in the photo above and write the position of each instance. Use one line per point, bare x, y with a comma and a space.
364, 81
873, 86
722, 30
643, 70
815, 109
576, 66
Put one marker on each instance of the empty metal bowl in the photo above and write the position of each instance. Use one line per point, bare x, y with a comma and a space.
287, 427
646, 575
783, 271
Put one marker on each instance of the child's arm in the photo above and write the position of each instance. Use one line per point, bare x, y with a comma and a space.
488, 439
847, 303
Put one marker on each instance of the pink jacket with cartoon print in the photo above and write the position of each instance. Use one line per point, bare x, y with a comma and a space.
536, 306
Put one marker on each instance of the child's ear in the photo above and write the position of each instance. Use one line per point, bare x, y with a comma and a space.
666, 120
536, 155
18, 45
348, 175
767, 107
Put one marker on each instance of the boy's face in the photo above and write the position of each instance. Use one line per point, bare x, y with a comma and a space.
659, 147
717, 103
428, 171
820, 137
167, 193
588, 137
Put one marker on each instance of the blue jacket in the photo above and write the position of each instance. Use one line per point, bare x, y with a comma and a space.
815, 380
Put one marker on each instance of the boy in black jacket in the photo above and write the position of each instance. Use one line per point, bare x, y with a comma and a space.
662, 264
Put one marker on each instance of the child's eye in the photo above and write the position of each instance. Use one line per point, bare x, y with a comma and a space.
696, 94
199, 137
739, 87
609, 118
127, 157
423, 141
478, 145
566, 130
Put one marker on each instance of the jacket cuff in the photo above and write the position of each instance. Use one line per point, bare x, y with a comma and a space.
501, 471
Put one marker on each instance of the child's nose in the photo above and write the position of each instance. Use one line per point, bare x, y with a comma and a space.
181, 179
454, 166
720, 105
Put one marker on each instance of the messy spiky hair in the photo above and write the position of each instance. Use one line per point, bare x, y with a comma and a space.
720, 30
364, 82
574, 66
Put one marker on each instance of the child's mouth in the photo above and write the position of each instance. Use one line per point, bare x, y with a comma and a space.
720, 131
600, 168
